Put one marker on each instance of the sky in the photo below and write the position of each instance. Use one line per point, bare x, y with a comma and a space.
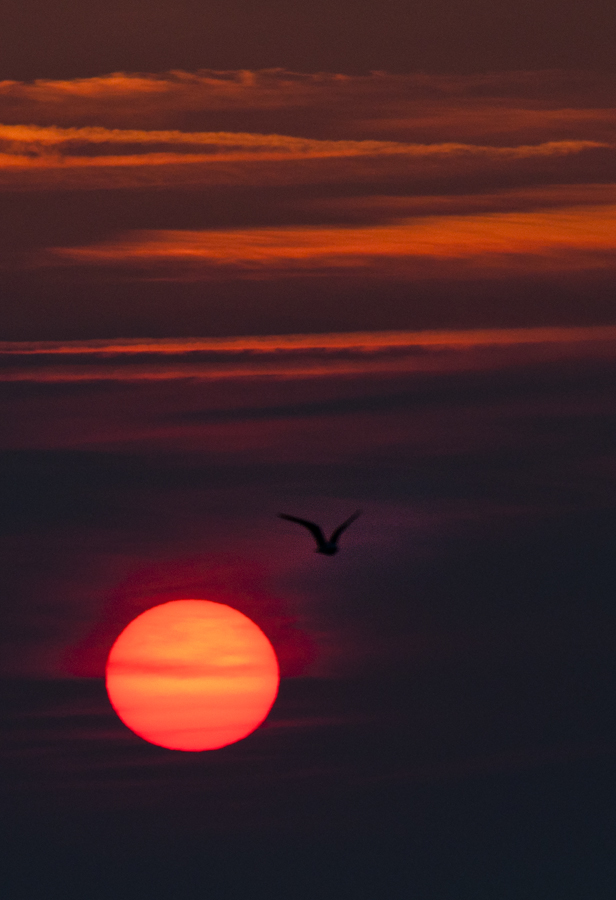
313, 259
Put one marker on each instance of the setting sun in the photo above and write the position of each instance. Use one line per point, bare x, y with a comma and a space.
192, 675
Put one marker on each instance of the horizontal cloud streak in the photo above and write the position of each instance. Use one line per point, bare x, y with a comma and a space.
579, 238
31, 144
36, 157
382, 207
249, 118
517, 101
295, 356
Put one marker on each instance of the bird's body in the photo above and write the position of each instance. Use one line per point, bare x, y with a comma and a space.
327, 547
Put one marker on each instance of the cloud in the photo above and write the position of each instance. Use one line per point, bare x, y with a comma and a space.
35, 157
30, 144
387, 207
65, 133
295, 356
159, 183
501, 244
517, 100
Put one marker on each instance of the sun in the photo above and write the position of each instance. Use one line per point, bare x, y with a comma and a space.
192, 675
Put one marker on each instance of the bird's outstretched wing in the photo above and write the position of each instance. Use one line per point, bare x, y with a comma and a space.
344, 525
311, 526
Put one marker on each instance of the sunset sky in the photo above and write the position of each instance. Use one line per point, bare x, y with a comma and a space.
313, 258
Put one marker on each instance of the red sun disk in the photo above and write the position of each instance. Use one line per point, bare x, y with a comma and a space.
192, 675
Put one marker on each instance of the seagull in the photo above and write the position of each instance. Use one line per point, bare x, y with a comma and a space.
328, 547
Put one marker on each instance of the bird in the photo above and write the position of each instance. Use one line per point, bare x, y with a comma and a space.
328, 547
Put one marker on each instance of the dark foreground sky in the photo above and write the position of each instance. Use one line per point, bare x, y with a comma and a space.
312, 259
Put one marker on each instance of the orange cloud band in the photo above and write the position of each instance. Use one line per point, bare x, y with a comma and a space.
532, 94
61, 145
96, 157
576, 238
294, 355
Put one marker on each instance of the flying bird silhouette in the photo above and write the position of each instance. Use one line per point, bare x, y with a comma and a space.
328, 547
